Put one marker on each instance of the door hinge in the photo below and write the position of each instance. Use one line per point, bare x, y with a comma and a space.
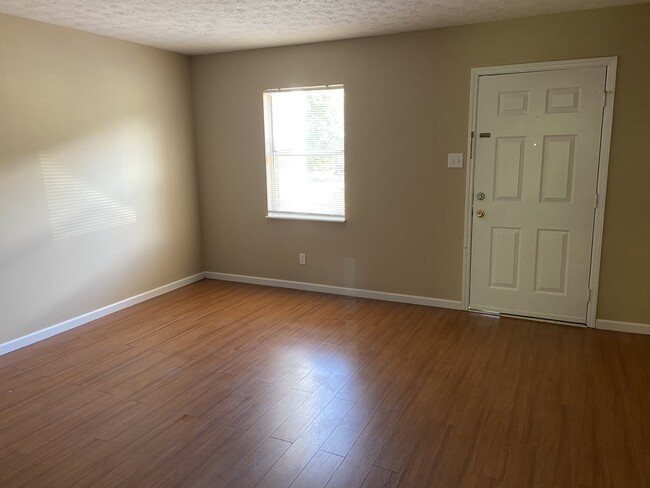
596, 201
588, 295
605, 98
471, 146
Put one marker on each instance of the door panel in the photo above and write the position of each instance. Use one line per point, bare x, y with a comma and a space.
538, 169
551, 261
504, 260
557, 168
509, 168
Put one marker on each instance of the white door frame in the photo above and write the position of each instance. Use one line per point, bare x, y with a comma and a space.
610, 64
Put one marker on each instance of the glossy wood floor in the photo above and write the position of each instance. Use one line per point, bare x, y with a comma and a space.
229, 385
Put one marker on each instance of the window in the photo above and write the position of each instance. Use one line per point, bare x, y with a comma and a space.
305, 160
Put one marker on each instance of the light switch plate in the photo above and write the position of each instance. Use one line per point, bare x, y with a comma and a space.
455, 160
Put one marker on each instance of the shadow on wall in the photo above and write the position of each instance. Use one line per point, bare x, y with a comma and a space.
84, 182
97, 176
91, 197
76, 206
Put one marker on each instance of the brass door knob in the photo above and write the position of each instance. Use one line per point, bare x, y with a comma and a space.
480, 214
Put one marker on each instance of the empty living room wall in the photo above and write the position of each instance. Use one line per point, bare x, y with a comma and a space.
407, 103
98, 197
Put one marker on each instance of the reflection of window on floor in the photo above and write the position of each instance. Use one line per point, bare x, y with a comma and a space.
305, 160
76, 207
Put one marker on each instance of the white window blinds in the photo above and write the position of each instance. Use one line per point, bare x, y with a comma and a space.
305, 161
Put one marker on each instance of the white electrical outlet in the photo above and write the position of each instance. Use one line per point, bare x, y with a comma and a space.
302, 258
455, 160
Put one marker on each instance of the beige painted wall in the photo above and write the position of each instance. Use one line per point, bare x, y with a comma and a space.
406, 108
98, 194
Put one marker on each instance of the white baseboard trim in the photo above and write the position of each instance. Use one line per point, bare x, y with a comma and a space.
52, 330
631, 327
337, 290
39, 335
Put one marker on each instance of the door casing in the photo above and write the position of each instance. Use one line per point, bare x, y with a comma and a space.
605, 139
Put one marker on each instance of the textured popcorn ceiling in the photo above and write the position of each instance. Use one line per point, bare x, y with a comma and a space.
204, 26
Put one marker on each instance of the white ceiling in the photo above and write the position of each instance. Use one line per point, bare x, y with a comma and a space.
205, 26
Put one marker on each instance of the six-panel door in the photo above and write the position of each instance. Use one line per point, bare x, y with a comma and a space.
537, 154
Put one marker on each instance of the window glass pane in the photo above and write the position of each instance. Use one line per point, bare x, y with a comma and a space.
305, 121
308, 184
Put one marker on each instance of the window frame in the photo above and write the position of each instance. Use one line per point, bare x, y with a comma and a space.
270, 152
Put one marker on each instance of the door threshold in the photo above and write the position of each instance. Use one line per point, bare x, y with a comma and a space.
491, 313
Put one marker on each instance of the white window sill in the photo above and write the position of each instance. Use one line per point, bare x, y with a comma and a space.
297, 216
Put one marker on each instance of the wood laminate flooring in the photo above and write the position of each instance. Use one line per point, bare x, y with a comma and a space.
231, 385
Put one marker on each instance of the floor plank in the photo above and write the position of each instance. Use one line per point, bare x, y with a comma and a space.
318, 471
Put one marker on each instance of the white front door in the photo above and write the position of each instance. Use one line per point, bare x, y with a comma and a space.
534, 194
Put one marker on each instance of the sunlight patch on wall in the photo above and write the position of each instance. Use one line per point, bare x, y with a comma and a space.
76, 207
